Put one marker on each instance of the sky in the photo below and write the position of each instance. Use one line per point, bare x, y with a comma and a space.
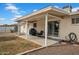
9, 12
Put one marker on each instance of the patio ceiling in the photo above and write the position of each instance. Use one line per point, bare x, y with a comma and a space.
40, 17
50, 10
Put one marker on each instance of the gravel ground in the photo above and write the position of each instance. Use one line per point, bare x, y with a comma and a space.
57, 50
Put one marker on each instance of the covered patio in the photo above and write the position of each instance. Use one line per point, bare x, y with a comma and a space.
40, 40
42, 19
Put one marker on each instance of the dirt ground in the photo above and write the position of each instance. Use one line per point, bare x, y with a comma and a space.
58, 50
10, 44
7, 34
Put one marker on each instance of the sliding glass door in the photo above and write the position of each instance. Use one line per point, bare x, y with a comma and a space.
53, 28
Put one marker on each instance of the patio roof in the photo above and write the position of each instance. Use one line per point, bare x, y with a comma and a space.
50, 10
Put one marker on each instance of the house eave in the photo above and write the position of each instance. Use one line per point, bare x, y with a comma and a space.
44, 10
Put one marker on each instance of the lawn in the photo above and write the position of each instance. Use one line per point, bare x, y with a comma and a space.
13, 45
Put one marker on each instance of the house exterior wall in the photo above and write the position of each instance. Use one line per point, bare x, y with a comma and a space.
66, 27
29, 26
40, 25
22, 29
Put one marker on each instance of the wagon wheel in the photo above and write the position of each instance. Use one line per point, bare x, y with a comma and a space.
72, 37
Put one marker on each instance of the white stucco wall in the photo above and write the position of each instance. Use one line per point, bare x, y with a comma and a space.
65, 26
22, 29
40, 25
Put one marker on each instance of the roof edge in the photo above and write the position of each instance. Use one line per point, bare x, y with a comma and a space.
41, 10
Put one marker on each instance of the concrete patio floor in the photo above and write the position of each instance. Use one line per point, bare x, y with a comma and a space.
39, 40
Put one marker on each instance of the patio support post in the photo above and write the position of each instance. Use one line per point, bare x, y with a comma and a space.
46, 29
26, 29
18, 29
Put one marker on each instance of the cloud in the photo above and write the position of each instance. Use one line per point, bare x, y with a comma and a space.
2, 19
56, 6
23, 11
15, 17
75, 9
17, 12
12, 8
34, 10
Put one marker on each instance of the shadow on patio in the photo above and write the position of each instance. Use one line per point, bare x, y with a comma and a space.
40, 40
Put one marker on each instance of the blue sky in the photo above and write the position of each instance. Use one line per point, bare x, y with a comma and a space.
9, 12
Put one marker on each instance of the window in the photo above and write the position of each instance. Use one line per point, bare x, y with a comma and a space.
75, 20
34, 25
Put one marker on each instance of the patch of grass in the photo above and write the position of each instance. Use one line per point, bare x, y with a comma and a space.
14, 45
23, 45
7, 38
